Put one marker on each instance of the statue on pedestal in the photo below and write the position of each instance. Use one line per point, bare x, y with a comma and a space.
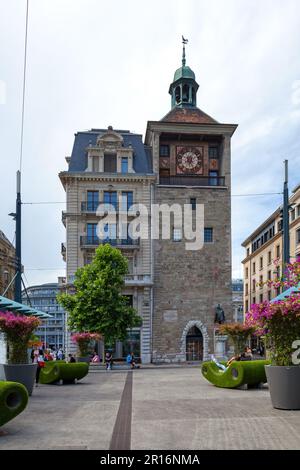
219, 314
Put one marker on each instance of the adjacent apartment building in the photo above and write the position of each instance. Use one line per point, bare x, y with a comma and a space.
264, 247
184, 159
7, 267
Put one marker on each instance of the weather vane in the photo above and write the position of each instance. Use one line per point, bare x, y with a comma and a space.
184, 42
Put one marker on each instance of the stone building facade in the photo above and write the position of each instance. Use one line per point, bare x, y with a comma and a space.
111, 167
7, 266
185, 159
263, 247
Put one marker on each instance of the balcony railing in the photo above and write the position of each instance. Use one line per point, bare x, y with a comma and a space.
93, 206
192, 180
138, 279
95, 241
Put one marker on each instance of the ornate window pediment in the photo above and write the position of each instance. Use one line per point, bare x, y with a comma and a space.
110, 140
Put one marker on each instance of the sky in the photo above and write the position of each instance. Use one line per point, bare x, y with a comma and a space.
95, 63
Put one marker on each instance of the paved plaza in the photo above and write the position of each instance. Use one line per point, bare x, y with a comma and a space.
151, 408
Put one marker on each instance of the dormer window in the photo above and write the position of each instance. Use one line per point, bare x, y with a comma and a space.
124, 165
110, 163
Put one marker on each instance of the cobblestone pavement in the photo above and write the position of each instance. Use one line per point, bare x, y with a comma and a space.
163, 408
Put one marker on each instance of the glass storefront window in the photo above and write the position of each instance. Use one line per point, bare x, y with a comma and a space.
132, 344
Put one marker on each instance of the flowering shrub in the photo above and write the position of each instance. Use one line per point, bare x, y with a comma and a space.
18, 330
279, 320
84, 340
238, 333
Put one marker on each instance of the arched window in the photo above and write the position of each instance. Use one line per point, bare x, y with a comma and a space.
177, 94
185, 93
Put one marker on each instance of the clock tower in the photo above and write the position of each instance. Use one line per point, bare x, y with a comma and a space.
191, 160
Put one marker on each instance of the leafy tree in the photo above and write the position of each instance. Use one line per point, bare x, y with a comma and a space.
98, 305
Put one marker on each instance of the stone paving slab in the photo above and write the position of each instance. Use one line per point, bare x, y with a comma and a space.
80, 416
171, 409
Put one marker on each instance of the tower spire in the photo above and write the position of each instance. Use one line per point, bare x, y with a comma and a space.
184, 42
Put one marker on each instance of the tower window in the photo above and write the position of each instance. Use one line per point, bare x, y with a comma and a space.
164, 150
213, 152
177, 94
177, 234
208, 235
193, 96
213, 178
185, 93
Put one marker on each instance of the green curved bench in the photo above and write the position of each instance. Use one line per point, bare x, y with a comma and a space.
237, 374
55, 371
13, 400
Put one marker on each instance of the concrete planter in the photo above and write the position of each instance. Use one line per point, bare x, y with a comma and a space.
21, 373
284, 385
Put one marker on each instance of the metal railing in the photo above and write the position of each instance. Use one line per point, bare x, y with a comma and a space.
95, 241
192, 180
93, 206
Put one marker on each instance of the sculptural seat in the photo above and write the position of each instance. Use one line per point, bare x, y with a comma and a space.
239, 373
13, 400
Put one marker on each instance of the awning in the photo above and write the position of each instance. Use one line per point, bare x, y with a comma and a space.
12, 306
287, 293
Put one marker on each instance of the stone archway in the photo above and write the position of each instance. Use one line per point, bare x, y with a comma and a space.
202, 328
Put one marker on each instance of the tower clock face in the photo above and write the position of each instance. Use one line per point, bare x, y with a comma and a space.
189, 160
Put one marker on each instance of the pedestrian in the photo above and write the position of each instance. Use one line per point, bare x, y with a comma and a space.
71, 358
59, 355
95, 357
247, 354
35, 354
108, 360
40, 364
32, 355
131, 360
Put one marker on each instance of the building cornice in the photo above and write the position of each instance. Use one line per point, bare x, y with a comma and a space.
267, 222
294, 196
105, 177
187, 128
263, 247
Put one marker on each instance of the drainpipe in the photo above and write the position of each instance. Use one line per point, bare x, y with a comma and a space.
152, 271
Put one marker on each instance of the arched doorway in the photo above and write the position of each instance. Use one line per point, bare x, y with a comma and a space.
194, 344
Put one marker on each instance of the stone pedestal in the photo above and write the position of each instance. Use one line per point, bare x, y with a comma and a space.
220, 346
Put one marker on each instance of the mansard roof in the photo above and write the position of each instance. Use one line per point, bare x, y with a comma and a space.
142, 156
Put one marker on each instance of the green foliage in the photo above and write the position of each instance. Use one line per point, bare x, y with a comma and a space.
238, 334
18, 330
98, 305
282, 332
237, 374
55, 371
13, 400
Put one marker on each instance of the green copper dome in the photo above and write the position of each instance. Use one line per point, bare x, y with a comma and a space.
184, 72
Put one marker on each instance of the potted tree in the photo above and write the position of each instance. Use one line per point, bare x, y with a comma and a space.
279, 320
238, 334
18, 330
83, 341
